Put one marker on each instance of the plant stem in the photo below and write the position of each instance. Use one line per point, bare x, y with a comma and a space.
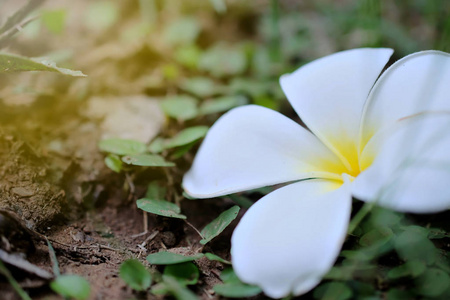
13, 282
360, 215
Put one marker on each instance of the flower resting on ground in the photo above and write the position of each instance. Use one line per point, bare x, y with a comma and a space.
387, 143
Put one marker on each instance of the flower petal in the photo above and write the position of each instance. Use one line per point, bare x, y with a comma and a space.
417, 83
290, 238
411, 165
251, 147
329, 95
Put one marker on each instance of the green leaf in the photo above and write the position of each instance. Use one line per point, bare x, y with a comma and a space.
221, 104
169, 258
188, 56
157, 145
185, 273
178, 291
333, 291
71, 286
413, 244
181, 31
411, 268
214, 228
376, 237
186, 136
180, 107
113, 162
135, 275
147, 160
54, 20
200, 86
15, 63
433, 282
155, 191
214, 257
160, 207
122, 146
223, 60
101, 14
236, 290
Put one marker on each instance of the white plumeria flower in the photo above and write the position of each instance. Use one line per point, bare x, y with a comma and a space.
388, 142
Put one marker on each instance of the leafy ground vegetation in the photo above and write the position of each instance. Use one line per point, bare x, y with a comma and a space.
91, 205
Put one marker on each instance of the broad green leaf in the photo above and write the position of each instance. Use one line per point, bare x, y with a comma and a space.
433, 282
160, 207
181, 31
236, 290
233, 287
223, 60
437, 233
71, 286
185, 273
122, 146
114, 162
376, 237
211, 256
169, 258
200, 86
333, 291
147, 160
413, 244
214, 228
411, 268
221, 104
155, 191
186, 136
101, 14
180, 107
188, 56
54, 20
178, 291
251, 87
157, 145
15, 63
135, 275
397, 294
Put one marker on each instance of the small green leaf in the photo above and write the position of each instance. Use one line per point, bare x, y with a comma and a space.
187, 136
188, 56
223, 60
71, 286
155, 191
377, 236
185, 273
413, 244
101, 14
178, 291
181, 31
122, 146
211, 256
160, 207
180, 107
233, 287
54, 20
214, 228
169, 258
113, 162
333, 291
236, 290
433, 282
15, 63
157, 145
147, 160
135, 275
221, 104
200, 86
411, 268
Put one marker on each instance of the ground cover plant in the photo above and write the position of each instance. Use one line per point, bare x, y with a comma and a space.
96, 140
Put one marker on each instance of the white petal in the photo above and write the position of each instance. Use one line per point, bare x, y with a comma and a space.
329, 94
290, 238
417, 83
411, 165
252, 146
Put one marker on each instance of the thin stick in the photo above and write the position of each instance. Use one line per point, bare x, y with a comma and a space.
193, 227
360, 215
